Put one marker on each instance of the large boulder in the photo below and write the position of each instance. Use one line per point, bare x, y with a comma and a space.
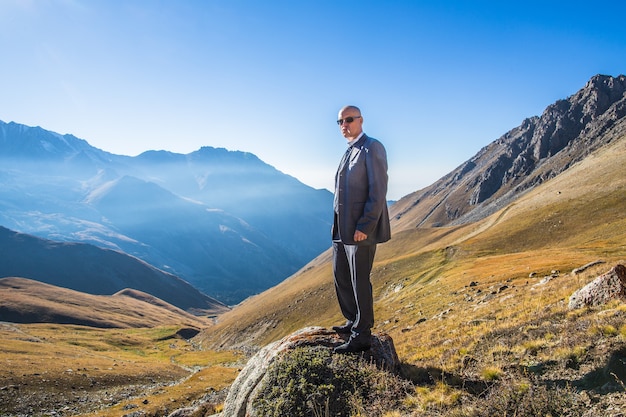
242, 392
604, 288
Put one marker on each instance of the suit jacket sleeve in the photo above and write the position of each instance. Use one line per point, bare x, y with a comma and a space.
377, 179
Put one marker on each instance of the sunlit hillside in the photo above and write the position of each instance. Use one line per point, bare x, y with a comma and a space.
422, 276
29, 301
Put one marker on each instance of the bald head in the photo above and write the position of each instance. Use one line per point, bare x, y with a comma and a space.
350, 122
351, 108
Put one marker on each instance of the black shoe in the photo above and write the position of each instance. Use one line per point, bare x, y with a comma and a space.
344, 329
358, 342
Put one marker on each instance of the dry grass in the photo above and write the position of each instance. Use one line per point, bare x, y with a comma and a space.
26, 301
47, 367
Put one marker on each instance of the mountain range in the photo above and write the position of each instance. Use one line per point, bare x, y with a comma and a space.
224, 221
222, 230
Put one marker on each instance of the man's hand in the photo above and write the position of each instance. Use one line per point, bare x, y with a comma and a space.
359, 236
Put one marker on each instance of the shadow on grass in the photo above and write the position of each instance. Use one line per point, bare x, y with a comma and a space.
431, 375
607, 379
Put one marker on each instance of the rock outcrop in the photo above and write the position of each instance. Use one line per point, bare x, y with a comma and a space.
604, 288
242, 391
539, 149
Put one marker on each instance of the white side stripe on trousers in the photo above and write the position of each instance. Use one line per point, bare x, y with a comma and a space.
351, 255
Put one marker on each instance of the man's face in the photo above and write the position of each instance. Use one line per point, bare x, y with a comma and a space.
350, 129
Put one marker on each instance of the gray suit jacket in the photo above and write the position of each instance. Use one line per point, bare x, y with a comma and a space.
361, 194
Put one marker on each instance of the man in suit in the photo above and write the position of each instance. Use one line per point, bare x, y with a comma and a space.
361, 221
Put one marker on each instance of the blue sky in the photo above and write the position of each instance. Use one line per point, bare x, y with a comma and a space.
436, 81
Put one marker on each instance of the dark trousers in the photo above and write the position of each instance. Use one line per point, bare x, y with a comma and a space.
352, 266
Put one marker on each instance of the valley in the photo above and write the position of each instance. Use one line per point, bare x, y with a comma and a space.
50, 369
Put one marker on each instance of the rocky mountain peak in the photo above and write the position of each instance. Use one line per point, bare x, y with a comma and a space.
526, 156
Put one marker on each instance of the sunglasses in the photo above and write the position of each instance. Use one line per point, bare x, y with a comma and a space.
347, 120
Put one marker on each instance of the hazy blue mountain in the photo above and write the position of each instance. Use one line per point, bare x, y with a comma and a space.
94, 270
241, 184
225, 221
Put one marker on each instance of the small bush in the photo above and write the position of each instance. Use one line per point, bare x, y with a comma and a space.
523, 400
439, 396
313, 382
532, 347
609, 330
491, 373
572, 357
606, 330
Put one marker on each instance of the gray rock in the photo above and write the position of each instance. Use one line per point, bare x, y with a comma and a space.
583, 268
183, 412
604, 288
242, 392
